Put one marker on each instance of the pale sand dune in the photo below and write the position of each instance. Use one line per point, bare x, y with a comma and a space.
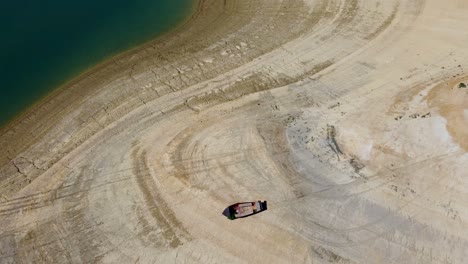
345, 115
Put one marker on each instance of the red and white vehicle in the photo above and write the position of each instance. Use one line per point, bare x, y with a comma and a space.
240, 210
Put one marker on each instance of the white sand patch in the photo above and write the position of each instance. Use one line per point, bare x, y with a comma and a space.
420, 137
357, 142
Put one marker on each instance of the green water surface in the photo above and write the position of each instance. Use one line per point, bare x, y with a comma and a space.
44, 43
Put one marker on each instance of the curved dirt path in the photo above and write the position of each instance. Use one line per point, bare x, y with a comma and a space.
348, 116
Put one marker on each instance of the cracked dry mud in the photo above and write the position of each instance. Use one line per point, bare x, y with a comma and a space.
345, 115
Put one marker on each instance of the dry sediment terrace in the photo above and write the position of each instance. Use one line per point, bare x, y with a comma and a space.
348, 116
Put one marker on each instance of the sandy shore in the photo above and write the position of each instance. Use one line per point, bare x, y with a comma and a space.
348, 116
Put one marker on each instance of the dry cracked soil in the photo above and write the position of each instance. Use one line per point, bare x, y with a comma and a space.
348, 116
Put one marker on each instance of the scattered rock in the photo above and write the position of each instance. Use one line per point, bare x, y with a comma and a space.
357, 165
334, 105
331, 133
426, 115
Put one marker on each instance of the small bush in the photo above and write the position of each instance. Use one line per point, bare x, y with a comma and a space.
462, 85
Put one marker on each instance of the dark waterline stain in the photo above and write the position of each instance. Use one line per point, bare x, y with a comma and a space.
45, 43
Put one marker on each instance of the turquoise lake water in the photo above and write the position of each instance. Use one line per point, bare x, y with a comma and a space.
45, 43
